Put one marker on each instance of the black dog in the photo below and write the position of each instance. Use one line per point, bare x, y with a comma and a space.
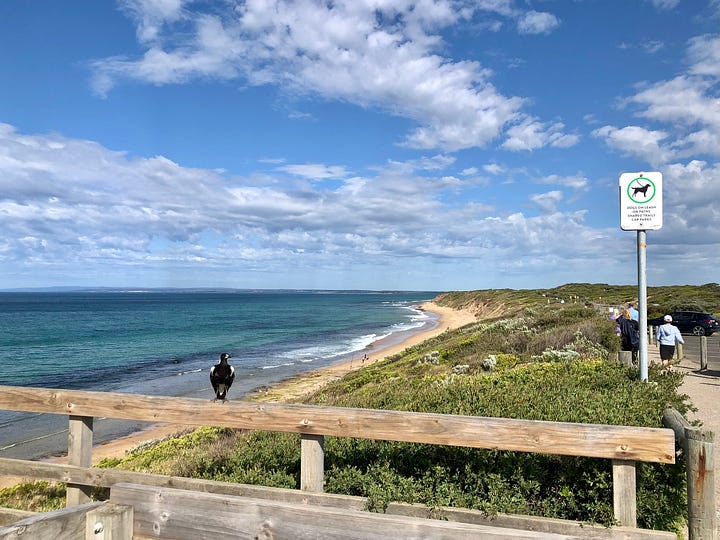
642, 190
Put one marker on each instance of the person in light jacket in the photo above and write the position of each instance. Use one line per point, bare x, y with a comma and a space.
667, 336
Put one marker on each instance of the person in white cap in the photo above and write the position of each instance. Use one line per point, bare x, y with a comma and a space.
667, 336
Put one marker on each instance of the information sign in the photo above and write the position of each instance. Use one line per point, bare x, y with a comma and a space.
641, 201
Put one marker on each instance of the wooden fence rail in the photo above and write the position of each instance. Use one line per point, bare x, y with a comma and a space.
112, 477
561, 438
139, 511
622, 444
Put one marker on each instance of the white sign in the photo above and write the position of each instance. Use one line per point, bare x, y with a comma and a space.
641, 201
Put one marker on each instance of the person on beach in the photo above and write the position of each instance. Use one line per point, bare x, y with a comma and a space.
222, 376
667, 336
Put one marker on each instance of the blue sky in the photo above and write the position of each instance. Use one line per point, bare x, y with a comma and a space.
359, 144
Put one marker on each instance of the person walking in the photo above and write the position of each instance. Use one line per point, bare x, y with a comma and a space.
629, 333
667, 336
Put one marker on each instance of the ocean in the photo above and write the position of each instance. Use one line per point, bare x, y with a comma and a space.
164, 343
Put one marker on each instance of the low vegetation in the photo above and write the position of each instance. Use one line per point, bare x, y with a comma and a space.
542, 354
661, 300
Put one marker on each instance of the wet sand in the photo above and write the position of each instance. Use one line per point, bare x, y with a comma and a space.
290, 390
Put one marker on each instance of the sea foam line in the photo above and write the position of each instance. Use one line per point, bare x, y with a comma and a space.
38, 438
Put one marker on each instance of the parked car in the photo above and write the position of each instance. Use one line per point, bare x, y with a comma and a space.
691, 322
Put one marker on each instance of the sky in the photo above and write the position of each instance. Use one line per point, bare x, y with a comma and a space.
355, 144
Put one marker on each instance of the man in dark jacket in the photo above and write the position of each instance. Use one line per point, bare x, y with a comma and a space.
629, 333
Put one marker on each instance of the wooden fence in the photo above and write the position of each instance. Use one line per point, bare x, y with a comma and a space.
622, 444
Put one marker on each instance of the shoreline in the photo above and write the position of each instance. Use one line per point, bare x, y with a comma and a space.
288, 390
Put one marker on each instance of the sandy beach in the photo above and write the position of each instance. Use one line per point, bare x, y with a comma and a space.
290, 390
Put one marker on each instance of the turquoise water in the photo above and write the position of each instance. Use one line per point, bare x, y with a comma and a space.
164, 343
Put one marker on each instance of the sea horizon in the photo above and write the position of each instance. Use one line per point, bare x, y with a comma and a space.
76, 288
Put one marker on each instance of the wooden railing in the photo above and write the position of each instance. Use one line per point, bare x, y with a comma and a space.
622, 444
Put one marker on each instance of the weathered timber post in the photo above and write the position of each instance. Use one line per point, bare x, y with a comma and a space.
312, 462
703, 352
625, 357
679, 351
624, 492
699, 448
80, 441
701, 484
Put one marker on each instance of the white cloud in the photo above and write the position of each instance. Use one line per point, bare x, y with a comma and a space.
652, 46
664, 4
531, 134
385, 57
715, 6
494, 168
151, 15
536, 22
704, 55
501, 7
691, 216
69, 204
433, 163
549, 201
636, 141
688, 105
691, 107
315, 171
682, 100
577, 182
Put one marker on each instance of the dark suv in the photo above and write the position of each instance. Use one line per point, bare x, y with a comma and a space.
691, 322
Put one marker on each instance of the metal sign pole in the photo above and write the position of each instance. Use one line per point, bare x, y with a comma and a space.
641, 210
642, 305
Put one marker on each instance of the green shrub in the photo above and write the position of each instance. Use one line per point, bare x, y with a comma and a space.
34, 496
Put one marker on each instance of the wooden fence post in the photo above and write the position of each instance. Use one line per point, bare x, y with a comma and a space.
703, 352
625, 357
312, 462
699, 448
624, 492
80, 441
701, 483
679, 351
